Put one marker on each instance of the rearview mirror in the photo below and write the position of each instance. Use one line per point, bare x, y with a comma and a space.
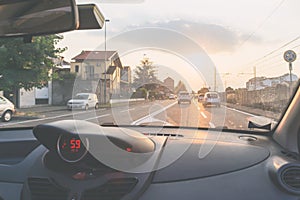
260, 122
37, 17
90, 17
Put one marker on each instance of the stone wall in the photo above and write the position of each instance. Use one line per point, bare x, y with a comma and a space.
271, 98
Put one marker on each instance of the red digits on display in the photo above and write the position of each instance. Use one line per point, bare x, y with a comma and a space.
75, 144
72, 142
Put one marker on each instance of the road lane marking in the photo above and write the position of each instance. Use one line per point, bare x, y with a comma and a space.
245, 113
212, 125
127, 110
47, 118
151, 115
97, 117
203, 115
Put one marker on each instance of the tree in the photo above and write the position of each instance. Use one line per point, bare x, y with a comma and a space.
229, 90
203, 90
144, 74
180, 87
27, 65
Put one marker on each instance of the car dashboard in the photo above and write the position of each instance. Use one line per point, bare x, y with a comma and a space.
233, 166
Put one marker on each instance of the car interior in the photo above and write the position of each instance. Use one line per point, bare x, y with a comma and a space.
79, 160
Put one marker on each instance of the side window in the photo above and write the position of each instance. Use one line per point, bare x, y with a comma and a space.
2, 101
76, 68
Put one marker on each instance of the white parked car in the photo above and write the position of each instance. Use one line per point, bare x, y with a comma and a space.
83, 101
211, 98
7, 109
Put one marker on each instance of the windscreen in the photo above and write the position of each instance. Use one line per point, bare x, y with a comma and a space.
152, 61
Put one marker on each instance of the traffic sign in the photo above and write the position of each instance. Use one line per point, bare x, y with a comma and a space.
289, 56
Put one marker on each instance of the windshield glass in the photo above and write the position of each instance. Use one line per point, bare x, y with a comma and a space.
212, 96
149, 54
81, 96
184, 94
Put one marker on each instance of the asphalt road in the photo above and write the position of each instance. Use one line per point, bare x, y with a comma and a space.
164, 112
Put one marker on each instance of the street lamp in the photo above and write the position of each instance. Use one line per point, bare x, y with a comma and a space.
105, 59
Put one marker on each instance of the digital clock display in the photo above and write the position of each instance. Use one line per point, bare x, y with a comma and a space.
72, 148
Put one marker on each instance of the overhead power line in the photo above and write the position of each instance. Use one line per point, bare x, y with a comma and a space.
262, 23
270, 53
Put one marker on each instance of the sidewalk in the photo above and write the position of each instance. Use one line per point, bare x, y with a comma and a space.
38, 110
42, 108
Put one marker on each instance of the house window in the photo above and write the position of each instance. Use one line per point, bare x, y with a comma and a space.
76, 68
89, 72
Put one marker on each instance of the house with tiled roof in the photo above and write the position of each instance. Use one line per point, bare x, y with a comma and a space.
126, 81
99, 66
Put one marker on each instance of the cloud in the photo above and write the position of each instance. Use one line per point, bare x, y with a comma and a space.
213, 38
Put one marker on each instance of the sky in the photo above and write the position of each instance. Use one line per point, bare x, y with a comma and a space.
193, 37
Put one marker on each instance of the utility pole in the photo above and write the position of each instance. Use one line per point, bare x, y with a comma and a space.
105, 60
215, 79
255, 83
254, 73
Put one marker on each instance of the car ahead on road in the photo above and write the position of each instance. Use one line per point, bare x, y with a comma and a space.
211, 98
83, 101
200, 97
184, 96
7, 109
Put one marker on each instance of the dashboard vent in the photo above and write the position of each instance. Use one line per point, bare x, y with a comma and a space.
291, 178
290, 155
43, 189
164, 134
114, 189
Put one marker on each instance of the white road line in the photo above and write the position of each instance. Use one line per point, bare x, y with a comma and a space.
36, 120
47, 118
203, 115
212, 125
127, 110
245, 113
97, 117
151, 115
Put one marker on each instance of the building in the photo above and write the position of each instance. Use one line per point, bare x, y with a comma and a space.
126, 81
169, 83
38, 96
96, 67
260, 83
89, 65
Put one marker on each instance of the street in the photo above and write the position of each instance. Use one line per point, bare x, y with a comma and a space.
159, 112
